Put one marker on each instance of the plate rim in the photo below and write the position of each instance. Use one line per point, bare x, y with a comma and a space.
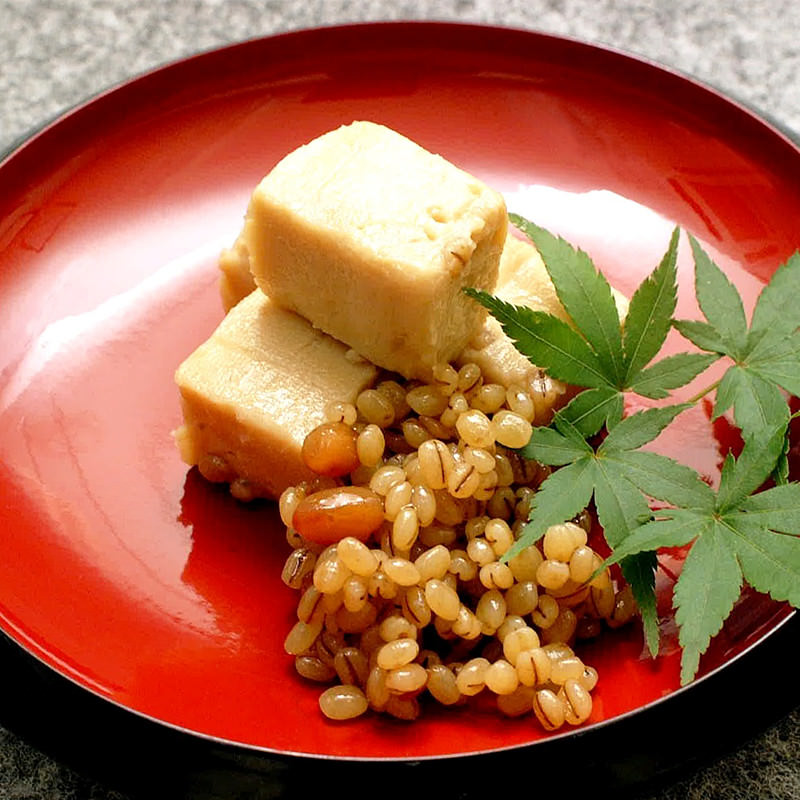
20, 143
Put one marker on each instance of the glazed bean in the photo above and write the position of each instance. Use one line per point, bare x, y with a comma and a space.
330, 449
329, 515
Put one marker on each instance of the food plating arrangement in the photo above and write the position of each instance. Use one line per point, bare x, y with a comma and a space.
468, 498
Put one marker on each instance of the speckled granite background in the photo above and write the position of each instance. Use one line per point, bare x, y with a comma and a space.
54, 53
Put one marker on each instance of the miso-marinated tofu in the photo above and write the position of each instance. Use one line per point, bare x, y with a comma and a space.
372, 239
254, 389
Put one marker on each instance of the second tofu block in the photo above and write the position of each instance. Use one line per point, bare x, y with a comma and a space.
372, 238
253, 391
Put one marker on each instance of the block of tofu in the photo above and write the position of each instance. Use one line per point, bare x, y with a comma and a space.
523, 281
372, 238
254, 389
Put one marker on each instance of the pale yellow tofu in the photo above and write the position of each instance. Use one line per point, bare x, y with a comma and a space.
523, 281
372, 238
254, 389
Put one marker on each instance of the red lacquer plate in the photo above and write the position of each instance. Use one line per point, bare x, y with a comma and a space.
147, 587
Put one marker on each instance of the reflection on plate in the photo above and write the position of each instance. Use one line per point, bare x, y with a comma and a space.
151, 588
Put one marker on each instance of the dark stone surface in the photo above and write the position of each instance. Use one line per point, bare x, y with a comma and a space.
54, 53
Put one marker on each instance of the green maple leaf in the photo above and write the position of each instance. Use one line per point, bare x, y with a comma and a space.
618, 477
766, 356
595, 352
737, 535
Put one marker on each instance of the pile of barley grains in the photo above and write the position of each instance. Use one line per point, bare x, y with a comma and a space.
398, 557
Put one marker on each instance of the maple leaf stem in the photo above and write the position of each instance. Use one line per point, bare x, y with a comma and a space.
700, 395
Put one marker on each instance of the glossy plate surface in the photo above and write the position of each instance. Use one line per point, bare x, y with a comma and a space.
149, 587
